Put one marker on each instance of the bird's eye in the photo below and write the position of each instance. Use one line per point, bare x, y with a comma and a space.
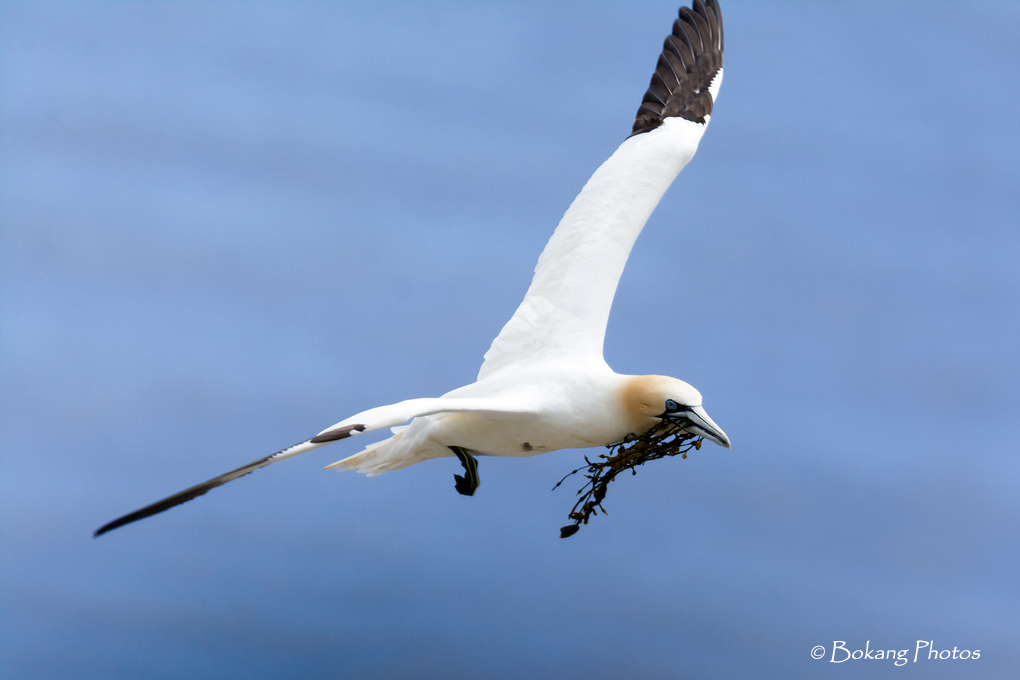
671, 405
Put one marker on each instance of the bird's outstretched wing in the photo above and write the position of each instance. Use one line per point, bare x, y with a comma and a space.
564, 313
367, 421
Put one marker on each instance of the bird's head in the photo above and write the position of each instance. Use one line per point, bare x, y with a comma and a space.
650, 399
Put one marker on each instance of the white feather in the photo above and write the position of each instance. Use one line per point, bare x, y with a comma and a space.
566, 309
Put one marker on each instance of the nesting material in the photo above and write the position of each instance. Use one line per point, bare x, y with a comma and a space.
664, 440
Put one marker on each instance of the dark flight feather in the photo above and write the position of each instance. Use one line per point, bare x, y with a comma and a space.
205, 487
691, 58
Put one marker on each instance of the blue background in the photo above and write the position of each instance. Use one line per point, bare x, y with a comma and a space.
225, 227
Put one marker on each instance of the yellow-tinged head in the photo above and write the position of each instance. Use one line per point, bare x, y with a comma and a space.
649, 399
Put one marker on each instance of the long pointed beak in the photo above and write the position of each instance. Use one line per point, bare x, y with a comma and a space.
698, 422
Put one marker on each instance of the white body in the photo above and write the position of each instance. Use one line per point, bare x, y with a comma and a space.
558, 406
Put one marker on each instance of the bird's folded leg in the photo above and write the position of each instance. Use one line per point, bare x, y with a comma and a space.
467, 484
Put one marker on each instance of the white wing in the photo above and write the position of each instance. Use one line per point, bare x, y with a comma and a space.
565, 311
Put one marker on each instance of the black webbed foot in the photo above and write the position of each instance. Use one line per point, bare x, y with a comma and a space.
467, 484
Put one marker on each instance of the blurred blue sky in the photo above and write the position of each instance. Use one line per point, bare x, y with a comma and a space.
226, 226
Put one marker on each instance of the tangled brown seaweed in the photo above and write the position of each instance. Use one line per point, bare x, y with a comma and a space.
664, 440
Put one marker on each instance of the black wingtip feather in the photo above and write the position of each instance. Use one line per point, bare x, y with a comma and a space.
160, 506
696, 48
199, 489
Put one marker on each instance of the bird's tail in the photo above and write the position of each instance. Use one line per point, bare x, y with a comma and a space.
403, 449
374, 459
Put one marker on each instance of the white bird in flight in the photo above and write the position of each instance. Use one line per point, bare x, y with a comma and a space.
544, 384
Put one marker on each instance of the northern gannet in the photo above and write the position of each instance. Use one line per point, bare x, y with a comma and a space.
544, 384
